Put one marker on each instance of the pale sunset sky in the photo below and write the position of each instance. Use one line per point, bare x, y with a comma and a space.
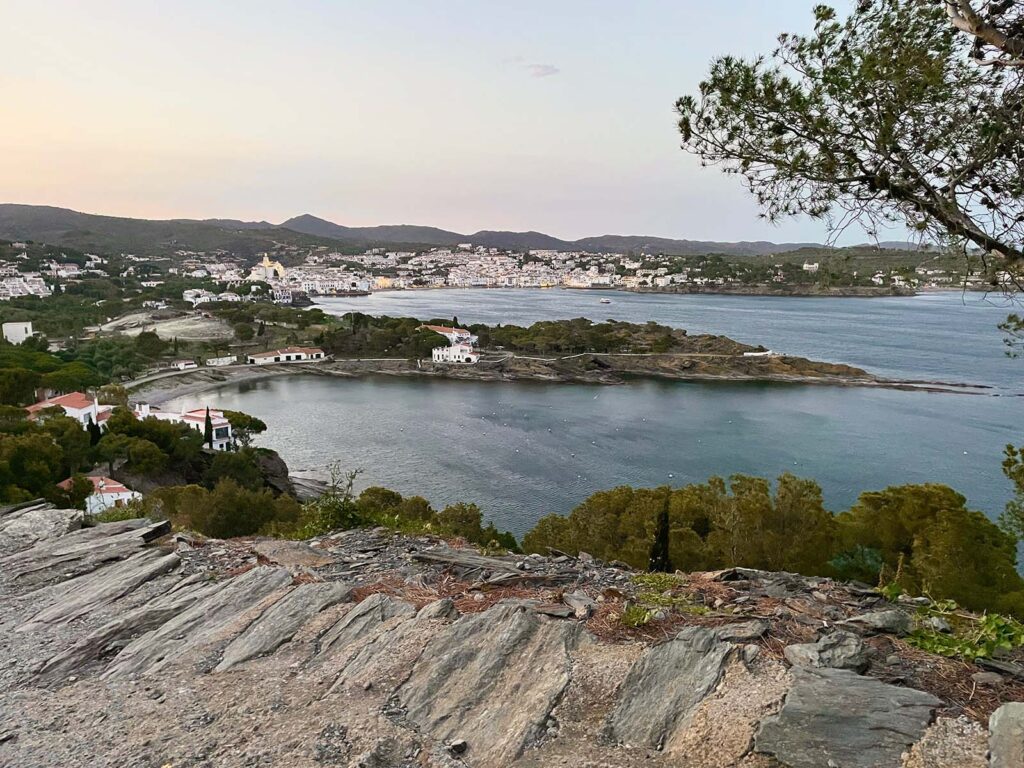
464, 114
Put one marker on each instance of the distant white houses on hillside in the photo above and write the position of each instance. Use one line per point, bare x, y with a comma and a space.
16, 333
286, 355
78, 405
223, 439
106, 493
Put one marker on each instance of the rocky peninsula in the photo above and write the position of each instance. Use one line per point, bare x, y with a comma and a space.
587, 368
128, 645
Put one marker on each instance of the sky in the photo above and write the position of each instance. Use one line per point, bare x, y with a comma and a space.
554, 116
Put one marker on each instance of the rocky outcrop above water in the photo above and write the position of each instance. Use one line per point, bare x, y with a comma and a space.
128, 645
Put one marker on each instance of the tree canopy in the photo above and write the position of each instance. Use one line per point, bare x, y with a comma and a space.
884, 117
919, 538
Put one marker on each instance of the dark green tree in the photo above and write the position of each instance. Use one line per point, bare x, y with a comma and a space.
660, 560
244, 427
95, 433
882, 117
1012, 518
149, 345
208, 429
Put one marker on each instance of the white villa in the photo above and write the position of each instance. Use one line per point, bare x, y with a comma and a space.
77, 405
460, 345
223, 439
456, 353
106, 493
286, 355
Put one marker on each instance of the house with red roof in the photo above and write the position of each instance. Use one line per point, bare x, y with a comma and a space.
78, 405
460, 345
223, 438
106, 494
454, 335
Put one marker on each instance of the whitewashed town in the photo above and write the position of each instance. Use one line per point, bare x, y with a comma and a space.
321, 271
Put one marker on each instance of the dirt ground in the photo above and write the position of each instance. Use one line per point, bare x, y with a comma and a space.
190, 327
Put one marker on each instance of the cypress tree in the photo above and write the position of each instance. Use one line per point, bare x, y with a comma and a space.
95, 433
208, 429
660, 560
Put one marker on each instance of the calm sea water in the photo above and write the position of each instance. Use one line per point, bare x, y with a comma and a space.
522, 450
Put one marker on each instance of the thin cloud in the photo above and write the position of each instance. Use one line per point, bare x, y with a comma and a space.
533, 69
542, 70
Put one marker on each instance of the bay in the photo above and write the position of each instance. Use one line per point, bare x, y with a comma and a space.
522, 450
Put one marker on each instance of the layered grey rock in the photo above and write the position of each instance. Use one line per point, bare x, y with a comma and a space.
744, 632
293, 554
581, 604
103, 587
835, 717
362, 619
665, 685
80, 552
23, 525
117, 632
892, 621
490, 679
281, 621
199, 624
1006, 736
838, 650
389, 649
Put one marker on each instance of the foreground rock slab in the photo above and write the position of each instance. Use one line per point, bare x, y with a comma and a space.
665, 686
1006, 736
280, 622
837, 718
491, 679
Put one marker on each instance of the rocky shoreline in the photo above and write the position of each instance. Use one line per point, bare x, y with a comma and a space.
577, 369
128, 645
795, 291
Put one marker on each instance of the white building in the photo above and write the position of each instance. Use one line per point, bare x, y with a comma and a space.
184, 365
266, 270
77, 405
197, 296
456, 353
16, 333
286, 355
223, 438
810, 267
106, 493
217, 361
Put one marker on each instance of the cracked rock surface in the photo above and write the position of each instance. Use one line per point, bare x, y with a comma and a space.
127, 646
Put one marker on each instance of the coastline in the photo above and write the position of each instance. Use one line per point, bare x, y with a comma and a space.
790, 291
578, 369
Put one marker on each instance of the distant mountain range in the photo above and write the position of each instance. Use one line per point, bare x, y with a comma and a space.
61, 226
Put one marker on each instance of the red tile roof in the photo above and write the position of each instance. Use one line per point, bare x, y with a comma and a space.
445, 329
77, 400
99, 485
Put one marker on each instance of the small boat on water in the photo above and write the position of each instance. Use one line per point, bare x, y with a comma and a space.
606, 301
